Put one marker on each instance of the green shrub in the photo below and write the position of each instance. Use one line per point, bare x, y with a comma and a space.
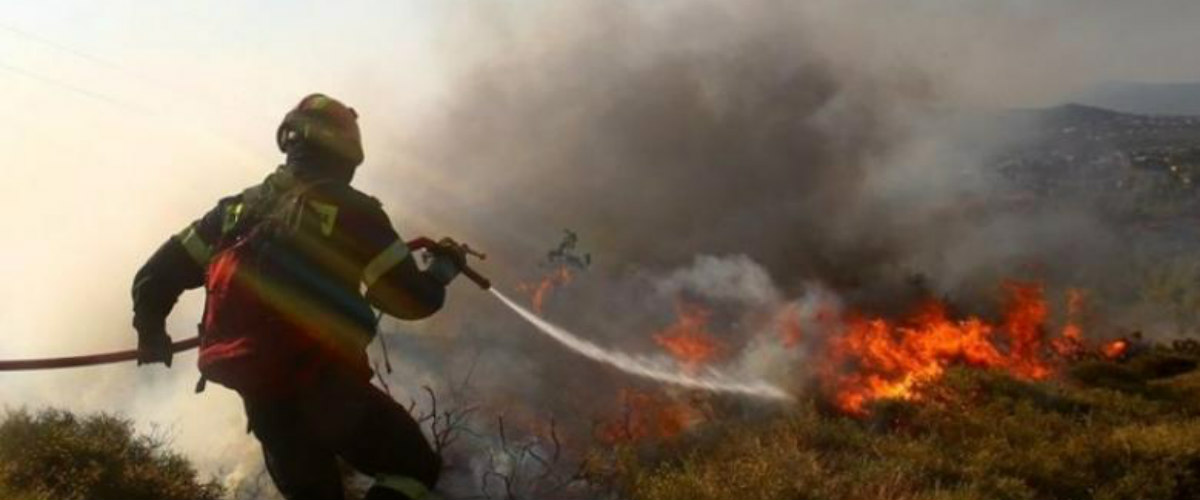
56, 454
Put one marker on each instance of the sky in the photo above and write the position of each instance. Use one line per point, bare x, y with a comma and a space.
126, 120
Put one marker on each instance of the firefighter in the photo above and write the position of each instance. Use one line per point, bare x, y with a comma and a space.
291, 268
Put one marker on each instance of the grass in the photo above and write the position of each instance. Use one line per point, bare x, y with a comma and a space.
1104, 431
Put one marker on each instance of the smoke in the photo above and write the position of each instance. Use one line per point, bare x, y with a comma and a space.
662, 132
736, 279
776, 131
831, 141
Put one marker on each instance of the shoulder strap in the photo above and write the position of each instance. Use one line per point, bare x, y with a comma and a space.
263, 203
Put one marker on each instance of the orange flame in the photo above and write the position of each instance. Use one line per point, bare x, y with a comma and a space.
688, 339
791, 333
1115, 350
538, 291
1071, 344
874, 358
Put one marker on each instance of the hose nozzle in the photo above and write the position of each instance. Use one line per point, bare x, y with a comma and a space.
429, 245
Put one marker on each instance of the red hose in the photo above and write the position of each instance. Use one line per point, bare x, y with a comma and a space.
88, 360
183, 345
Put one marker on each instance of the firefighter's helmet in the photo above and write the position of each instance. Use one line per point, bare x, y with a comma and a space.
325, 124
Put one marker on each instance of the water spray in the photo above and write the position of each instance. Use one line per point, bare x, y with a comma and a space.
654, 368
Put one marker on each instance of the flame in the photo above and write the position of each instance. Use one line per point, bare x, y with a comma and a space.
790, 332
688, 339
1071, 344
648, 416
1115, 350
1024, 323
875, 358
862, 359
560, 276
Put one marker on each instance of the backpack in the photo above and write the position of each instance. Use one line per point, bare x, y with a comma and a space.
258, 335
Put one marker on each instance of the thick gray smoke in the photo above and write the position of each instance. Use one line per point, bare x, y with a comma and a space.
661, 132
663, 135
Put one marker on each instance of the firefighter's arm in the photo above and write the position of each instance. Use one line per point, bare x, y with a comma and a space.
160, 282
397, 287
178, 265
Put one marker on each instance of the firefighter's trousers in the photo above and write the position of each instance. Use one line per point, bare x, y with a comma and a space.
303, 434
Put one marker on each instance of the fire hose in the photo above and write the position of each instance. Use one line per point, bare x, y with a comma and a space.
191, 343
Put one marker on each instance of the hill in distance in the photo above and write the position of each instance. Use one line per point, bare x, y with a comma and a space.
1144, 98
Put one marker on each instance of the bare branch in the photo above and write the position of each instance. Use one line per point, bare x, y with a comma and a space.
554, 439
503, 438
466, 381
379, 375
432, 400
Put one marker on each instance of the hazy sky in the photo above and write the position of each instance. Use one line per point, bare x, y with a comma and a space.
124, 120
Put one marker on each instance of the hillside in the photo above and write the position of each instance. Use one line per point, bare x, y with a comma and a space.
1122, 162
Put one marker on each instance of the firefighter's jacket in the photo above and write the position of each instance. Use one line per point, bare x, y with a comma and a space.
348, 255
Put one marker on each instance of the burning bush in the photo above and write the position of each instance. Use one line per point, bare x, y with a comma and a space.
874, 358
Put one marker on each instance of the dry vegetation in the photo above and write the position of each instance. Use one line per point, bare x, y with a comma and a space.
1105, 430
53, 454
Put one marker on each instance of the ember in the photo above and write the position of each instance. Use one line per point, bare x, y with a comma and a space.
1115, 350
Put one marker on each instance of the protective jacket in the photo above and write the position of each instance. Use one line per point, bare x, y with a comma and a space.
345, 258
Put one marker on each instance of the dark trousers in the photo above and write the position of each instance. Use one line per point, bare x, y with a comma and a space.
338, 416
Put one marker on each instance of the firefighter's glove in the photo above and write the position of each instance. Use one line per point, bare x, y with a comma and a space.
154, 346
449, 258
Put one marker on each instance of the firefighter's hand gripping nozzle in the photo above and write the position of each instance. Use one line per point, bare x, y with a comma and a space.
457, 252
